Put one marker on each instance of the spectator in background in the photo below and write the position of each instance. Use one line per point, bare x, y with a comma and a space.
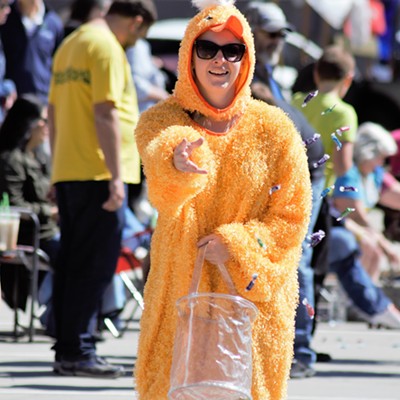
327, 112
30, 37
269, 27
367, 184
392, 217
8, 93
26, 179
23, 177
270, 30
82, 11
92, 114
150, 83
373, 185
149, 79
394, 160
333, 75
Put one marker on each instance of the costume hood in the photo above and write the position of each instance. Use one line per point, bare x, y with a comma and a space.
217, 16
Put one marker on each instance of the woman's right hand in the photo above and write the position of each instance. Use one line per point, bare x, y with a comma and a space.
182, 153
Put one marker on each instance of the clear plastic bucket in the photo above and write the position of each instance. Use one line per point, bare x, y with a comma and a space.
212, 352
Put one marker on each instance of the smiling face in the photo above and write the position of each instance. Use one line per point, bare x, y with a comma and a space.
216, 77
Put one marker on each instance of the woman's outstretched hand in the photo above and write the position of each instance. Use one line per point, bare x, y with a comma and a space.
182, 153
217, 251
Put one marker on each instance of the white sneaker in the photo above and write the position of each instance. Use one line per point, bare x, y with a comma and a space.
390, 318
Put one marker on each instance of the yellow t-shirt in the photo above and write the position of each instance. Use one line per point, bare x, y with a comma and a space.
89, 68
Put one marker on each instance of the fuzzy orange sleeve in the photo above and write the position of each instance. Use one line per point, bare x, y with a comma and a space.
158, 133
280, 225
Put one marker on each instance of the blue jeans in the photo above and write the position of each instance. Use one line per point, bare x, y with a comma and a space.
344, 261
304, 324
89, 250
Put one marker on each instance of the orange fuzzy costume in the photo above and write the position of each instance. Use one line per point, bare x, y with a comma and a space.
233, 201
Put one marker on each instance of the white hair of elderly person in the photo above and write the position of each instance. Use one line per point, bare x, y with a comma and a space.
373, 140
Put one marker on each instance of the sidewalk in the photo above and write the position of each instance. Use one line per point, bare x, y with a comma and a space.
366, 366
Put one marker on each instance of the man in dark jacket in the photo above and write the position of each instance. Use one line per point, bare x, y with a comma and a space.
30, 37
270, 27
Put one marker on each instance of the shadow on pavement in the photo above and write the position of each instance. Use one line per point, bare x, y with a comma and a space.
72, 388
356, 374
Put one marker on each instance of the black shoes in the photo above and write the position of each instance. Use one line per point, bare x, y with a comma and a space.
323, 357
95, 367
299, 370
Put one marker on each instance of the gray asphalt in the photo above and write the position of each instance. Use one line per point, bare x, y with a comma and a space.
365, 366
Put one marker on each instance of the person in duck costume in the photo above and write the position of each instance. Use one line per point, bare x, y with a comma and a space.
230, 171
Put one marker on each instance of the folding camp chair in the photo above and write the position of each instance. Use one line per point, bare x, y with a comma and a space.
23, 265
130, 268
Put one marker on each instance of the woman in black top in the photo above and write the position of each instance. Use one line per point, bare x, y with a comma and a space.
24, 174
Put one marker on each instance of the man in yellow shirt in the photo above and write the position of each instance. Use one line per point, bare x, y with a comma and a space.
92, 115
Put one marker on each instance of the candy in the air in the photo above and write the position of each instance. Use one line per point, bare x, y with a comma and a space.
308, 142
252, 282
345, 213
321, 161
274, 189
309, 97
328, 110
315, 238
326, 191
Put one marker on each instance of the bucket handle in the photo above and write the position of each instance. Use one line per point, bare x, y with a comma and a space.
198, 266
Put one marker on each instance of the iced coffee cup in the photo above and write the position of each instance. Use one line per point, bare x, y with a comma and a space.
9, 227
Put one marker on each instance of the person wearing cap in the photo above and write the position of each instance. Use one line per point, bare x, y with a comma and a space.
211, 154
269, 27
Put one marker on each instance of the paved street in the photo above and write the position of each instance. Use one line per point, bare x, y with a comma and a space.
366, 366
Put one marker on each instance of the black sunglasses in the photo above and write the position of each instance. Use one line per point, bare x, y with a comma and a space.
276, 35
206, 50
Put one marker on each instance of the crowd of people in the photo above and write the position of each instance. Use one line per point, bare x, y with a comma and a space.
270, 184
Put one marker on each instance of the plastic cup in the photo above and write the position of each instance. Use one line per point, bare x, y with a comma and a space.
9, 227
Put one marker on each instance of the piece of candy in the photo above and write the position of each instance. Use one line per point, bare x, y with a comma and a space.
274, 189
252, 282
337, 142
309, 97
311, 140
309, 308
328, 110
348, 189
326, 191
339, 131
321, 161
262, 245
316, 238
345, 213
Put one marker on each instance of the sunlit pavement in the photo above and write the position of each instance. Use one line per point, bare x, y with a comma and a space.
365, 366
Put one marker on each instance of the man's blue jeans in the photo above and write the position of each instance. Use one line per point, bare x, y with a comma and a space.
304, 324
344, 261
89, 250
